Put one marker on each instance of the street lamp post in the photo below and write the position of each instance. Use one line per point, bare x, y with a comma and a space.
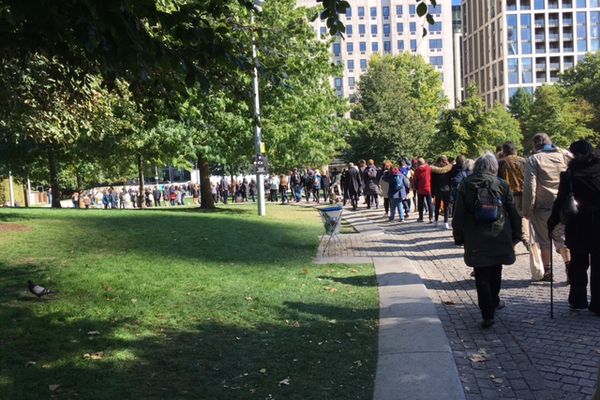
260, 179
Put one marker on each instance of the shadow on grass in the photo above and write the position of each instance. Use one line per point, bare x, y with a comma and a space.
211, 360
231, 235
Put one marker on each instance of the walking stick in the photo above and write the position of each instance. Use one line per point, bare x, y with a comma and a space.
551, 280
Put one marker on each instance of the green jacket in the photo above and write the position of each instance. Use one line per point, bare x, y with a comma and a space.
486, 243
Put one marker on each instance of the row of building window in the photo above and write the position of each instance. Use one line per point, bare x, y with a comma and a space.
531, 34
385, 11
434, 45
437, 61
528, 72
362, 28
513, 5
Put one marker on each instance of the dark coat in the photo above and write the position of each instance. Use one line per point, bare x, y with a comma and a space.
583, 231
486, 243
353, 181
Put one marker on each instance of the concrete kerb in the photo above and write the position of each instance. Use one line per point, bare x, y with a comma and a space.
415, 360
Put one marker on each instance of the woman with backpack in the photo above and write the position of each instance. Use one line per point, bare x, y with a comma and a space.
397, 192
488, 225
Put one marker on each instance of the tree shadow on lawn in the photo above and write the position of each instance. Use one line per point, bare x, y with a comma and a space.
212, 360
183, 235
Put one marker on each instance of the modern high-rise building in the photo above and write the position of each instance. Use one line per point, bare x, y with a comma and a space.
508, 44
390, 27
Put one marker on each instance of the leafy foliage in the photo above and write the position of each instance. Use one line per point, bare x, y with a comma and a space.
564, 117
398, 101
470, 129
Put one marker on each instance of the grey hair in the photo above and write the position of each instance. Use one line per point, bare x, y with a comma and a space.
487, 163
468, 165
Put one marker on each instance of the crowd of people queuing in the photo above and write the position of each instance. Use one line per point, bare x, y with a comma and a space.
154, 196
495, 202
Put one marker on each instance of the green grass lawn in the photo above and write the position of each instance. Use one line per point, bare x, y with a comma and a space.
181, 304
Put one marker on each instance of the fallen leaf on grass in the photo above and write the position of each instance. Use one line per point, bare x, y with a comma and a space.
134, 301
332, 321
53, 388
330, 289
94, 356
262, 370
285, 381
248, 298
305, 271
354, 270
106, 287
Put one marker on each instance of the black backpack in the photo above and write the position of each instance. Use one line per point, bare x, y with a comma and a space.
488, 204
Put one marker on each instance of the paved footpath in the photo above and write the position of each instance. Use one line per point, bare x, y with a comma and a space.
525, 355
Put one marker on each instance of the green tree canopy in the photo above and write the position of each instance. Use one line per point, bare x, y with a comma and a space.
561, 115
399, 99
471, 130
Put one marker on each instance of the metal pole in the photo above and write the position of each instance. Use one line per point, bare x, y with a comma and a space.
260, 182
29, 194
11, 190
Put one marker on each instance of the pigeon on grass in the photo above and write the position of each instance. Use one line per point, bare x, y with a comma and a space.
39, 290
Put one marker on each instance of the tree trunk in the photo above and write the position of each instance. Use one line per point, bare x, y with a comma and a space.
206, 200
142, 194
53, 170
79, 183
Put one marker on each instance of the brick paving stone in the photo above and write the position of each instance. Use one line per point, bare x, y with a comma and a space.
555, 358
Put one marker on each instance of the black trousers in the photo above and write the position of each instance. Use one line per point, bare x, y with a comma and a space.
386, 205
439, 198
487, 282
421, 200
581, 259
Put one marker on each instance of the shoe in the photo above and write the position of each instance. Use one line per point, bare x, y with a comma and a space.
447, 226
402, 220
487, 323
420, 220
547, 277
574, 309
430, 221
501, 305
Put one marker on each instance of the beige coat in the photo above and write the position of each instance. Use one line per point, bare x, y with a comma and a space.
542, 175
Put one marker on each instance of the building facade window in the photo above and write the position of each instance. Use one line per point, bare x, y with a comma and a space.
581, 32
373, 30
363, 64
385, 11
323, 31
398, 11
349, 30
539, 4
412, 9
338, 83
437, 61
374, 47
350, 47
362, 46
525, 4
400, 27
350, 65
336, 49
413, 28
400, 44
413, 44
351, 82
511, 5
435, 44
513, 71
512, 34
387, 46
526, 33
437, 9
436, 28
361, 12
594, 30
348, 12
361, 29
526, 70
581, 4
373, 12
386, 30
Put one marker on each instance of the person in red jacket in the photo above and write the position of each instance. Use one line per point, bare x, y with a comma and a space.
422, 183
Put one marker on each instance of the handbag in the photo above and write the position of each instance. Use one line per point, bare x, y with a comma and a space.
568, 208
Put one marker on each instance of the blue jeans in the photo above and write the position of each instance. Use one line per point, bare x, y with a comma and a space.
396, 204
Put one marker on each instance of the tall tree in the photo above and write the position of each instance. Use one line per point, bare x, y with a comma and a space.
399, 100
564, 117
470, 129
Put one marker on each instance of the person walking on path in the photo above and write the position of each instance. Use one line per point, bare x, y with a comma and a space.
422, 184
397, 191
582, 231
353, 185
441, 173
371, 176
384, 184
326, 186
487, 223
511, 168
296, 185
540, 187
283, 188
